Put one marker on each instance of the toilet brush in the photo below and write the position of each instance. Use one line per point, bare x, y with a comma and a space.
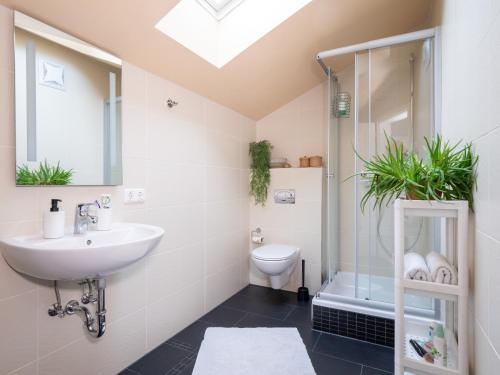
303, 292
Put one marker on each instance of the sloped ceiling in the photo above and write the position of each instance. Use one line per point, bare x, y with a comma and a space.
270, 73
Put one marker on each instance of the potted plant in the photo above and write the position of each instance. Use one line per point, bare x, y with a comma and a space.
446, 172
260, 177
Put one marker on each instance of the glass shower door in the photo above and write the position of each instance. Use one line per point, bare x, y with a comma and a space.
330, 249
393, 99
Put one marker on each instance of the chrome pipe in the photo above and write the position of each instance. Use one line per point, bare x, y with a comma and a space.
95, 326
101, 307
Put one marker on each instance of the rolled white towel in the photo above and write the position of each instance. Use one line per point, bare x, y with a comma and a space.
441, 270
416, 268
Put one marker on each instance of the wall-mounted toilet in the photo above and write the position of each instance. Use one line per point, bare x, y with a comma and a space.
276, 261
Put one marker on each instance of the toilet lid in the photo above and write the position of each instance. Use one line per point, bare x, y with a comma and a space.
274, 252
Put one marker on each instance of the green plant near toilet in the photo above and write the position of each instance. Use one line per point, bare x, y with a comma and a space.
260, 177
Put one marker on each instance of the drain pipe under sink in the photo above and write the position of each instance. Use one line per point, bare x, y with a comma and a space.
73, 307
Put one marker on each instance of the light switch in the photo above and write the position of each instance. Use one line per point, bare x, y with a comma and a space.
134, 195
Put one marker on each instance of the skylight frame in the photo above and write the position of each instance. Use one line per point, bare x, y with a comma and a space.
218, 42
219, 12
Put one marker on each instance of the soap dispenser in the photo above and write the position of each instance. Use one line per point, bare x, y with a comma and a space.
53, 221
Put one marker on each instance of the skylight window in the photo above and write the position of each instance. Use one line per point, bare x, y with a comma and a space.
219, 8
219, 30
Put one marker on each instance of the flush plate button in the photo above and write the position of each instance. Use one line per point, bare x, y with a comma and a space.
284, 196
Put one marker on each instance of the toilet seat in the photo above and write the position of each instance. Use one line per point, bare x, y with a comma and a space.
274, 252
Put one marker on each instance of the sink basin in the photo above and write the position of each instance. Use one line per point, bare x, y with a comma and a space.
95, 254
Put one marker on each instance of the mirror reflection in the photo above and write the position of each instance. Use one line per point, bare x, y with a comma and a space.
68, 109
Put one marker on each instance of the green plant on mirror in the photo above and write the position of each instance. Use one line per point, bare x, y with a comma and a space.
260, 177
446, 172
44, 174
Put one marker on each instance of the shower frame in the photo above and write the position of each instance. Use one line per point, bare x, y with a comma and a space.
332, 221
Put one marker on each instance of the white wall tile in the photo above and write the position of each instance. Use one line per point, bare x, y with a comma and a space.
7, 133
229, 190
126, 291
170, 271
6, 39
135, 132
222, 251
30, 369
482, 278
220, 285
183, 225
223, 150
18, 340
170, 315
170, 184
12, 283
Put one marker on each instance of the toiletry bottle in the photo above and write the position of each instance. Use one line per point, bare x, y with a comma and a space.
53, 221
439, 343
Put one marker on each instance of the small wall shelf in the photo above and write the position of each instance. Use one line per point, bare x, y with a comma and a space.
453, 314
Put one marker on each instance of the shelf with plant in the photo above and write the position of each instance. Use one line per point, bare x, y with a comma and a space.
260, 176
445, 172
44, 174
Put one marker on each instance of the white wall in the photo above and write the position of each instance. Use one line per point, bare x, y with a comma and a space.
296, 129
193, 162
471, 111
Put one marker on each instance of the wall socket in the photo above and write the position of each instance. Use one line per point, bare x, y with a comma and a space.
134, 195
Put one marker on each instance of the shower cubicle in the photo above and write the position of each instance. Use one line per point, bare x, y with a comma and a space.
390, 89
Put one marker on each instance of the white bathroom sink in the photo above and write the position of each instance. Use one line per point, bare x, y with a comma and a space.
75, 257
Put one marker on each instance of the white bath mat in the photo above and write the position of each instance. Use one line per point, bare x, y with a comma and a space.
252, 351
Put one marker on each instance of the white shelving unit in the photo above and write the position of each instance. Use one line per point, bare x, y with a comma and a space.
454, 228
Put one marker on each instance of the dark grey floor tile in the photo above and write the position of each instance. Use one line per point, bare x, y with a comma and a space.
309, 337
129, 372
223, 315
273, 295
325, 365
263, 306
356, 351
184, 367
193, 334
189, 369
159, 361
374, 371
300, 315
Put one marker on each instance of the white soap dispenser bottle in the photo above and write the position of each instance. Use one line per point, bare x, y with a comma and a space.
53, 221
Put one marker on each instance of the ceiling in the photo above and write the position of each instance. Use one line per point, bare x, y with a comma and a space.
270, 73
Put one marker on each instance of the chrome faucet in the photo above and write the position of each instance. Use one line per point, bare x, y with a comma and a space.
83, 218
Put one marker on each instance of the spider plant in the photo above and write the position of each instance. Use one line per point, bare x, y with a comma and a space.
447, 172
260, 177
451, 171
44, 174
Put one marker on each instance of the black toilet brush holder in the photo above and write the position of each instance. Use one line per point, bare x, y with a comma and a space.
303, 292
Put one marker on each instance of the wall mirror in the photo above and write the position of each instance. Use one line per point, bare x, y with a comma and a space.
68, 109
